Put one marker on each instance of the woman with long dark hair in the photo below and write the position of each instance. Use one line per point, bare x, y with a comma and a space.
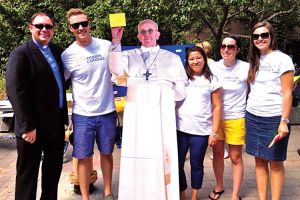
268, 109
232, 74
197, 118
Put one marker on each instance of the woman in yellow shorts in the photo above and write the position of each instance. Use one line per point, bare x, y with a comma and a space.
232, 73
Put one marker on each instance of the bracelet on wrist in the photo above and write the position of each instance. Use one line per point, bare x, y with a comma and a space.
286, 120
215, 135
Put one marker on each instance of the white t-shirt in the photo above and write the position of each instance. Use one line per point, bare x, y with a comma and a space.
91, 85
234, 87
194, 114
265, 97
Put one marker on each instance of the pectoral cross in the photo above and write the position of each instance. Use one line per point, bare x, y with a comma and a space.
147, 74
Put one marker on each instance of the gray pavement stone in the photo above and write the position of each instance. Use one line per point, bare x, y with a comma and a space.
248, 192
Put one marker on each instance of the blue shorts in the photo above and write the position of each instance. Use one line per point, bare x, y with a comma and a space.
101, 128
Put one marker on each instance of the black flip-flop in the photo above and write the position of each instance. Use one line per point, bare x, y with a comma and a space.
215, 194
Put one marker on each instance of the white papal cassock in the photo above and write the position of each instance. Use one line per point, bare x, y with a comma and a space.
149, 164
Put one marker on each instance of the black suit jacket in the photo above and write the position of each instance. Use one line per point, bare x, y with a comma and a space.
33, 92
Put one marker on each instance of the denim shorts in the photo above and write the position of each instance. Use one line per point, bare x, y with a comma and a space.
101, 128
260, 132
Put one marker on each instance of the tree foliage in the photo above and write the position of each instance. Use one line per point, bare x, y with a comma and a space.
180, 21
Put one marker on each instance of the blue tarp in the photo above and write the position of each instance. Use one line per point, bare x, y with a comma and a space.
177, 49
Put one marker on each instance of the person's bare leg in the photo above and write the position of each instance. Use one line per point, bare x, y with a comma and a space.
235, 154
277, 178
262, 177
91, 165
75, 166
84, 173
182, 195
194, 194
218, 165
106, 167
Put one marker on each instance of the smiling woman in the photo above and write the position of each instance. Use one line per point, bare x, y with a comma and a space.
232, 74
197, 118
268, 112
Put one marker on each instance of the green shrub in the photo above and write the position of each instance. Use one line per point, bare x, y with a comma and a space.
2, 87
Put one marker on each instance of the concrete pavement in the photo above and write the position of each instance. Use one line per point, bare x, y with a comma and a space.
290, 191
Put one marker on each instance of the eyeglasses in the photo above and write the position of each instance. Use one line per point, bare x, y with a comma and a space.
76, 25
42, 26
264, 36
144, 32
228, 46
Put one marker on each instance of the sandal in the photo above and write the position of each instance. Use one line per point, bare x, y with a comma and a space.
217, 195
109, 197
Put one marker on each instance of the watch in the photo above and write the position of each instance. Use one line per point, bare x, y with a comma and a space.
286, 120
215, 135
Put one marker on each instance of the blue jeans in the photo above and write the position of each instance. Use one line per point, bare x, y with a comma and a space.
197, 145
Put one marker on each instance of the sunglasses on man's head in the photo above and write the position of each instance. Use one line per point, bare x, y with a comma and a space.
144, 32
228, 46
76, 25
41, 26
265, 35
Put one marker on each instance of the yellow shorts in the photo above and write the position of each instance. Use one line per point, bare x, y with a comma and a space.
233, 131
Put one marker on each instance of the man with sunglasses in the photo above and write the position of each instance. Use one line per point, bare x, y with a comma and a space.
155, 80
35, 88
94, 115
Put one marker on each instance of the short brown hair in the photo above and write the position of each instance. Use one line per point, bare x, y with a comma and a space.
40, 14
76, 11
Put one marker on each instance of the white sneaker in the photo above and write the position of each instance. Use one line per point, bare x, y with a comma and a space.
226, 155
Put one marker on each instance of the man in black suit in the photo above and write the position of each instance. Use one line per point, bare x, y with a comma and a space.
35, 88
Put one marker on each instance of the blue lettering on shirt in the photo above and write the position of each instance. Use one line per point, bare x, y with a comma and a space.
94, 58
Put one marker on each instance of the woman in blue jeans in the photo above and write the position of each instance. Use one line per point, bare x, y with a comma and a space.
197, 118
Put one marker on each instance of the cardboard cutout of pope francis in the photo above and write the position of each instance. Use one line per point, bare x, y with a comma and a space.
155, 79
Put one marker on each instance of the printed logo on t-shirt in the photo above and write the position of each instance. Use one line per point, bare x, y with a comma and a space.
94, 58
266, 67
199, 86
231, 79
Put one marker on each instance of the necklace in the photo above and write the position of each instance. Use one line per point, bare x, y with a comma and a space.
145, 56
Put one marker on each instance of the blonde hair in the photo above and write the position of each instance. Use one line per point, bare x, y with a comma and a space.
206, 46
